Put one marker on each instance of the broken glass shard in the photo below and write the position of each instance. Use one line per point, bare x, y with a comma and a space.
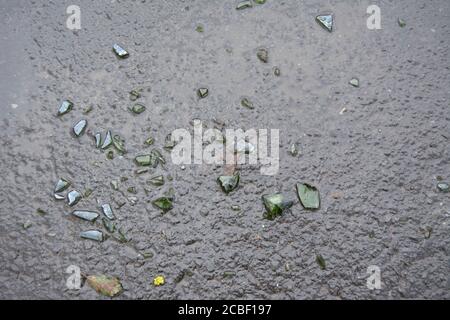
354, 82
245, 102
138, 108
120, 52
229, 183
308, 196
108, 224
61, 185
134, 95
276, 71
143, 160
244, 5
79, 128
263, 55
275, 204
293, 150
119, 144
85, 215
108, 140
59, 196
107, 211
156, 181
65, 107
95, 235
202, 92
98, 140
321, 262
325, 21
443, 187
149, 141
73, 197
163, 203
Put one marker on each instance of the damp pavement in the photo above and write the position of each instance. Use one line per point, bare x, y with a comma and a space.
375, 152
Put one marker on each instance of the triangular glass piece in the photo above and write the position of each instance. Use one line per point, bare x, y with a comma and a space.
326, 21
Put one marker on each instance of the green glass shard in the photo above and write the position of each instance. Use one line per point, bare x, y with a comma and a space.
138, 108
61, 185
79, 128
65, 107
263, 55
156, 181
275, 205
308, 196
229, 183
202, 93
163, 203
244, 5
120, 52
321, 262
326, 21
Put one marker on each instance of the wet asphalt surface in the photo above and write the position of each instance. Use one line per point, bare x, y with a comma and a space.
376, 165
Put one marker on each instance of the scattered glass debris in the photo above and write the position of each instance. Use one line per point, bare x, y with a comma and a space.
41, 212
85, 215
202, 93
119, 144
229, 183
61, 185
95, 235
245, 102
79, 128
321, 262
200, 28
27, 224
163, 203
149, 141
98, 140
275, 205
138, 108
110, 154
244, 5
276, 71
114, 184
443, 187
326, 21
109, 225
120, 52
107, 211
59, 196
65, 107
73, 197
134, 95
354, 82
143, 160
263, 55
108, 140
308, 195
156, 181
293, 150
401, 22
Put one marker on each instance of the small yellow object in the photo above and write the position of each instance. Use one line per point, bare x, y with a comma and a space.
158, 281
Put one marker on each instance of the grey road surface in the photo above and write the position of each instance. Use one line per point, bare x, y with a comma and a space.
376, 153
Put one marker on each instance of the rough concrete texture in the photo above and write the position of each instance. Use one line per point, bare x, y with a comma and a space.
376, 165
